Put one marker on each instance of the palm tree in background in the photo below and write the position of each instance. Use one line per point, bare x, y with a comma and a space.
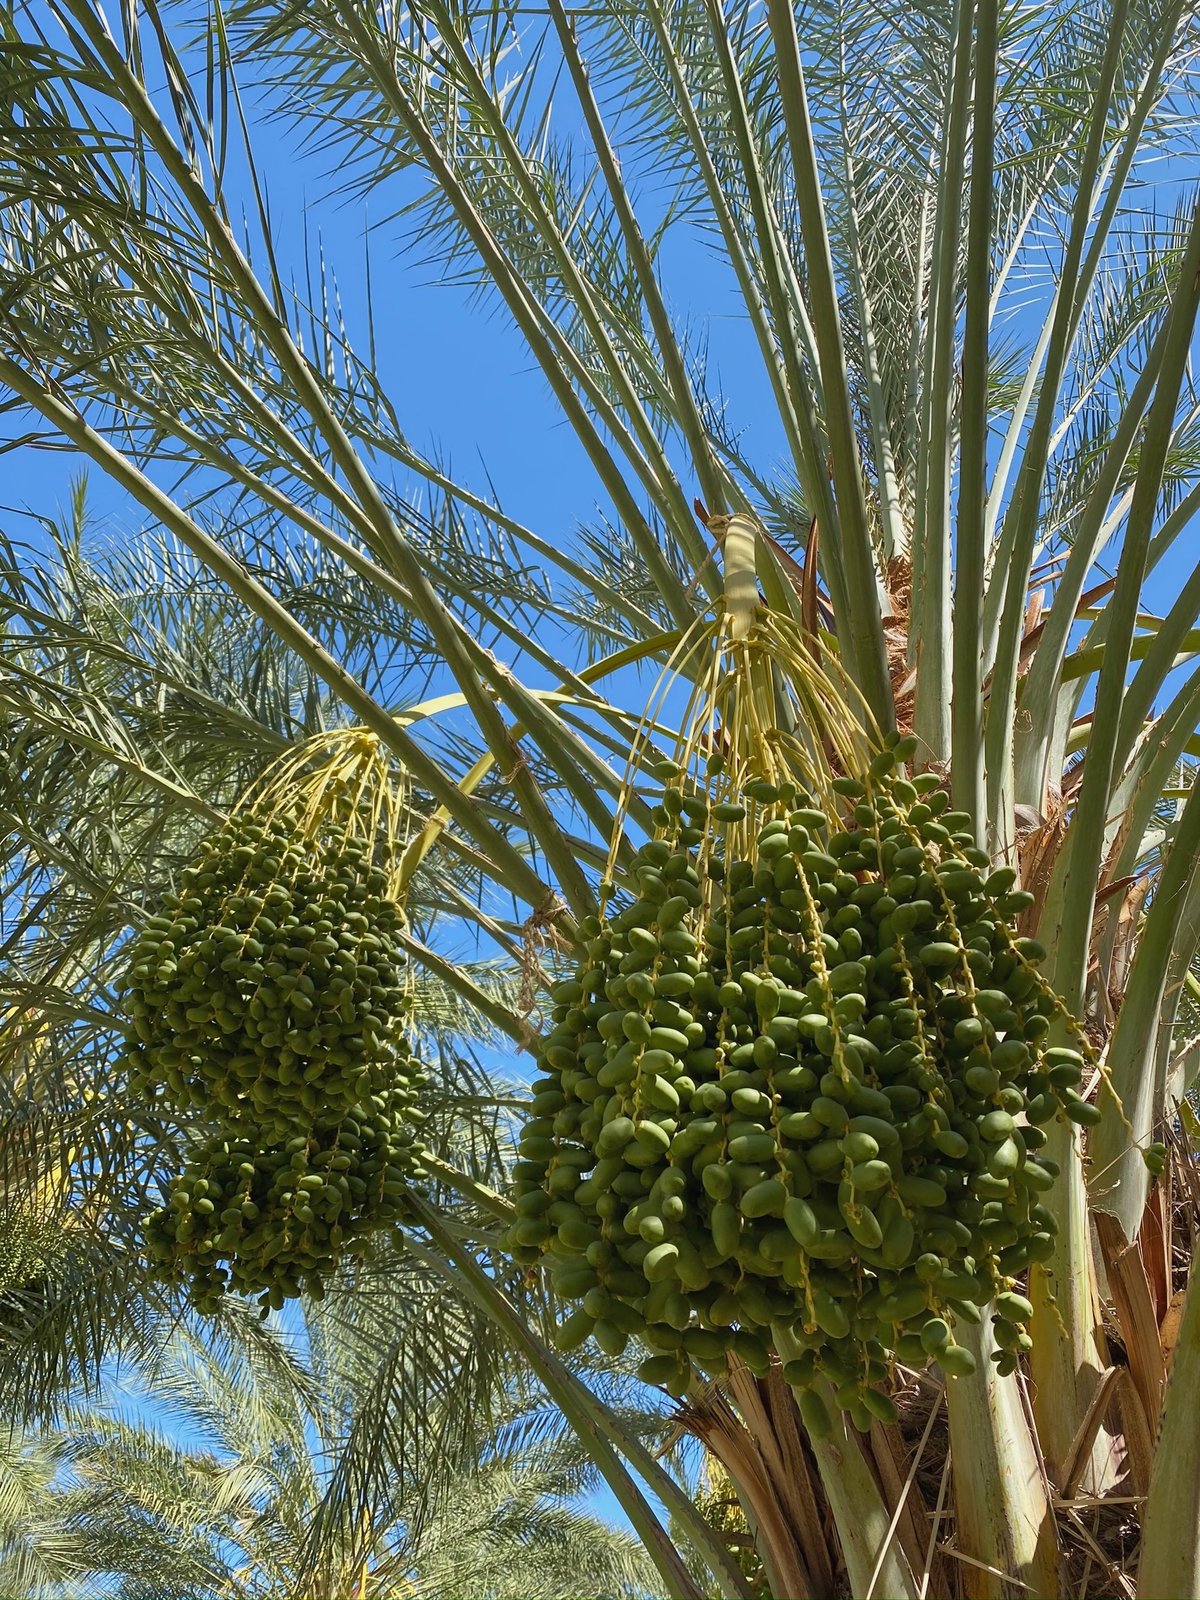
967, 260
221, 1505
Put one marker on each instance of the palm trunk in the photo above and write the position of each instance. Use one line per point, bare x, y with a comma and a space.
846, 1509
1005, 1524
1170, 1566
1067, 1358
761, 1447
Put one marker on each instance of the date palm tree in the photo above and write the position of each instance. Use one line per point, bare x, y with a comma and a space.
218, 1499
966, 260
217, 1495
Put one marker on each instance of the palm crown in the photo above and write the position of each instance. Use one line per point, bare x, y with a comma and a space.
971, 292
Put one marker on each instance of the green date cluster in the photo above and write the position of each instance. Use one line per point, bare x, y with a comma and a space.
794, 1096
265, 1005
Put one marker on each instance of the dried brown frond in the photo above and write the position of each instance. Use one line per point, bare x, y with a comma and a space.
898, 587
1038, 846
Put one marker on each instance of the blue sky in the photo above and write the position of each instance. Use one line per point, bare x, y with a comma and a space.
462, 382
